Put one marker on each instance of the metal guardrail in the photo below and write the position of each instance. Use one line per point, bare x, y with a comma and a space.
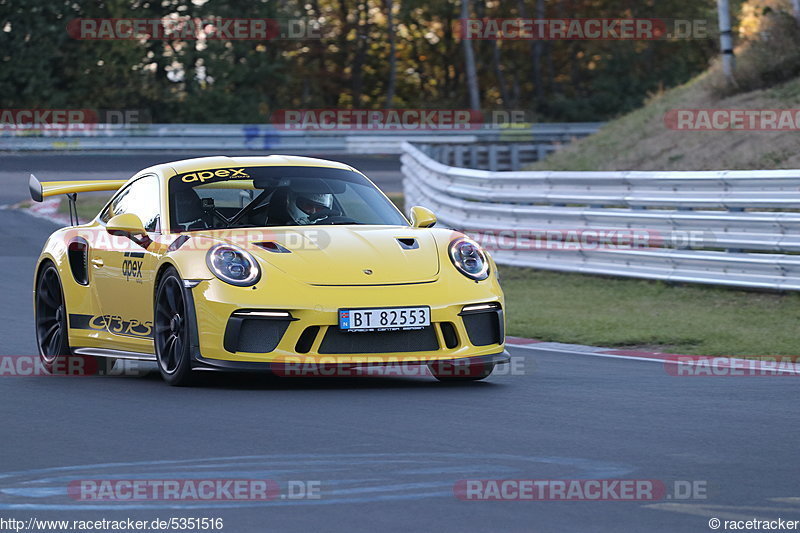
717, 227
491, 155
269, 138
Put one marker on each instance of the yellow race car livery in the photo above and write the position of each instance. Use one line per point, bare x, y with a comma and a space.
255, 263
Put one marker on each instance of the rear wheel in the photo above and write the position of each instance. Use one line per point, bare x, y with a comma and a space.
51, 321
172, 331
461, 372
52, 335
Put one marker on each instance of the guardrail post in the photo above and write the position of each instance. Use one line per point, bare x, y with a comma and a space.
541, 152
459, 159
515, 162
493, 157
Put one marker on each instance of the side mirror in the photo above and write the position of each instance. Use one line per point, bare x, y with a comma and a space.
126, 224
422, 217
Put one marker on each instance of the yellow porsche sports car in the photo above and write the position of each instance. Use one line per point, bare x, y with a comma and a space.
263, 263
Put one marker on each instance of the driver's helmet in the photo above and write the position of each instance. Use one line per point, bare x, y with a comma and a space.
302, 206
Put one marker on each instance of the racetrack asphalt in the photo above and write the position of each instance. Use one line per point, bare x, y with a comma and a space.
388, 451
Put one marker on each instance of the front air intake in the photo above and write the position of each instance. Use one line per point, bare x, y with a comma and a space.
449, 334
337, 341
484, 324
256, 331
306, 340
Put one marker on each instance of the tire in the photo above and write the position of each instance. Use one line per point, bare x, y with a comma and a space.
51, 321
460, 373
171, 331
52, 338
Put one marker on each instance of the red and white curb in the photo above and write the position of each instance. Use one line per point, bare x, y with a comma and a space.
721, 365
46, 210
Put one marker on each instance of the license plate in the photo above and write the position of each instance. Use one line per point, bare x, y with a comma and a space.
384, 319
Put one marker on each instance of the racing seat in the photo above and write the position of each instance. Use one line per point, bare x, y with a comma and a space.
188, 211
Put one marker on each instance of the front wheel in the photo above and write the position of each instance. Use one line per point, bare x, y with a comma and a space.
171, 334
461, 372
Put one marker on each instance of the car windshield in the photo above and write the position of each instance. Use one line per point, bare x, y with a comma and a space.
245, 197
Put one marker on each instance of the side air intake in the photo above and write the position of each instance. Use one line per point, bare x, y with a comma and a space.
78, 254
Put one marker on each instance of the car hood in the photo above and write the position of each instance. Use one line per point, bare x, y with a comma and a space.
343, 255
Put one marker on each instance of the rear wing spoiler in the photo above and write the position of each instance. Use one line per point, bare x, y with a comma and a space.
40, 191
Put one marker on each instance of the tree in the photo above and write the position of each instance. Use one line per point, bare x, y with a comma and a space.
469, 60
796, 9
391, 86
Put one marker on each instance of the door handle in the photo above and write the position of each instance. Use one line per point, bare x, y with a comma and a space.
97, 262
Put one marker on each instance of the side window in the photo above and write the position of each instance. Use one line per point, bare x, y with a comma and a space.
140, 198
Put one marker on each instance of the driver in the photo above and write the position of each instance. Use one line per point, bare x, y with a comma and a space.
307, 208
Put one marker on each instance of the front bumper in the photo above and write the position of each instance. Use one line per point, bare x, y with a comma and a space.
299, 366
229, 329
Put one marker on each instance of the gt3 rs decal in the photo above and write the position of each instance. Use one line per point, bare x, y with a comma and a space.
203, 175
112, 324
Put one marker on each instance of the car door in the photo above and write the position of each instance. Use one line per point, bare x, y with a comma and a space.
123, 270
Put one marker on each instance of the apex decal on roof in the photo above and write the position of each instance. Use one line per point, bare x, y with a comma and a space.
203, 175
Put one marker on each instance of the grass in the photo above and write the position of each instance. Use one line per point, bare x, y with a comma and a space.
641, 140
687, 319
89, 205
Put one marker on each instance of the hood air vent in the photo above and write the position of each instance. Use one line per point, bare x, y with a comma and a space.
408, 243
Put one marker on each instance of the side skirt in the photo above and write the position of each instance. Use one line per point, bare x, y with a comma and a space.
116, 354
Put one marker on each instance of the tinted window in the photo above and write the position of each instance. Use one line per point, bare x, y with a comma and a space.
140, 198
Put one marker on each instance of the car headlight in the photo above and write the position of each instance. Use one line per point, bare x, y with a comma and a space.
233, 265
469, 259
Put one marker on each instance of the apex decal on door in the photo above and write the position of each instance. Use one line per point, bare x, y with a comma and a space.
132, 268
